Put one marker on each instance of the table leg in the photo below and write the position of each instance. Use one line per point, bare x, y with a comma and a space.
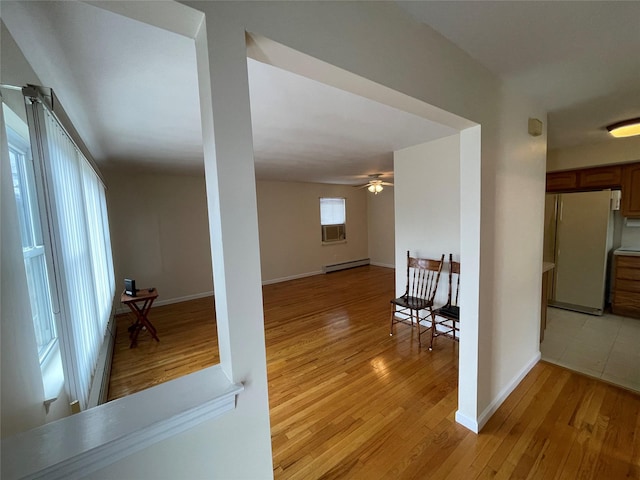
141, 321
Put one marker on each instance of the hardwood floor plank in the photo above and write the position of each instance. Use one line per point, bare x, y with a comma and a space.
565, 428
585, 421
617, 448
634, 464
537, 457
514, 445
347, 401
187, 343
470, 462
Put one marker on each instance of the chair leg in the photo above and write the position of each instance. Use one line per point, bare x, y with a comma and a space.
433, 330
420, 332
393, 311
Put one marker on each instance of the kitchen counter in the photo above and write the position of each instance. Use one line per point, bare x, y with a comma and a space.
627, 251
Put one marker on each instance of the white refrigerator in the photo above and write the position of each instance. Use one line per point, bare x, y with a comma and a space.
579, 237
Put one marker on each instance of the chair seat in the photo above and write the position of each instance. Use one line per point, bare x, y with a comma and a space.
412, 302
448, 311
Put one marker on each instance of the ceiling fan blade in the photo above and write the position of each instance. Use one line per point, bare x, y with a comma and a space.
361, 186
387, 183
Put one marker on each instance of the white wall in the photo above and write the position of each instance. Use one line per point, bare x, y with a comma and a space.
630, 236
21, 378
15, 71
427, 206
164, 240
513, 218
290, 234
381, 231
22, 390
160, 233
377, 41
615, 150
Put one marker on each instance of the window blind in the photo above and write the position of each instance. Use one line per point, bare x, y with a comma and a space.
332, 211
82, 266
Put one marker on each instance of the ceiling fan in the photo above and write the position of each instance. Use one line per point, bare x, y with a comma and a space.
374, 185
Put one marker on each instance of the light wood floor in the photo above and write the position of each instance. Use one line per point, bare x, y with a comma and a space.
348, 401
187, 333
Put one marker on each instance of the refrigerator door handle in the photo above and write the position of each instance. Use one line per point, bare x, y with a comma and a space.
561, 205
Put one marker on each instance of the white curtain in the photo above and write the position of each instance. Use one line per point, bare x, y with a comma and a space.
81, 249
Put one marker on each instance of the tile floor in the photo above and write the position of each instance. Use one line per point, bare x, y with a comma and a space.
606, 347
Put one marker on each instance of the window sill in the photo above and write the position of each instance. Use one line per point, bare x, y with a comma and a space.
85, 442
52, 375
336, 242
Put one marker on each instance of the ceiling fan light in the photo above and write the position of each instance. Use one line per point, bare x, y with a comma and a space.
375, 184
626, 128
375, 189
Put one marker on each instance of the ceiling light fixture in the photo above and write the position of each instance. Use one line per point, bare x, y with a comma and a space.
374, 185
626, 128
375, 188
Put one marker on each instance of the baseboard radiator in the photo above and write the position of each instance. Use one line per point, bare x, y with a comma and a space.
344, 265
100, 382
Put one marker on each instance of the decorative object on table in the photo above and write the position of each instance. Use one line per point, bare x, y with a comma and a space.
130, 287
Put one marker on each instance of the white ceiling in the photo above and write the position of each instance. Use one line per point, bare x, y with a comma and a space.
133, 97
304, 130
580, 59
131, 89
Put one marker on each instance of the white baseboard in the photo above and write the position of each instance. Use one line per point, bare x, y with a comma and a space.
386, 265
310, 274
336, 267
467, 422
506, 391
123, 309
291, 277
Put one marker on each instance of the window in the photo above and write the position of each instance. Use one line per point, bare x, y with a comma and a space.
62, 216
33, 248
333, 219
78, 234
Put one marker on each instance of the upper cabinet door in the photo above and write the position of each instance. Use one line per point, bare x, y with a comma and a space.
601, 177
562, 181
630, 204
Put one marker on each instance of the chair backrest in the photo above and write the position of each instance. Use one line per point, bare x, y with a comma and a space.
423, 275
454, 269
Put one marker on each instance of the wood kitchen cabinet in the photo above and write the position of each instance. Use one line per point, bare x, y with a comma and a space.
600, 178
562, 181
597, 178
625, 177
626, 288
630, 204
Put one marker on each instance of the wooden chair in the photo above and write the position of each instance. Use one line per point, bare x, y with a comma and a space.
448, 316
423, 276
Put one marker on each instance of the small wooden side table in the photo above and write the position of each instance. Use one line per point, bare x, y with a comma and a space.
140, 306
